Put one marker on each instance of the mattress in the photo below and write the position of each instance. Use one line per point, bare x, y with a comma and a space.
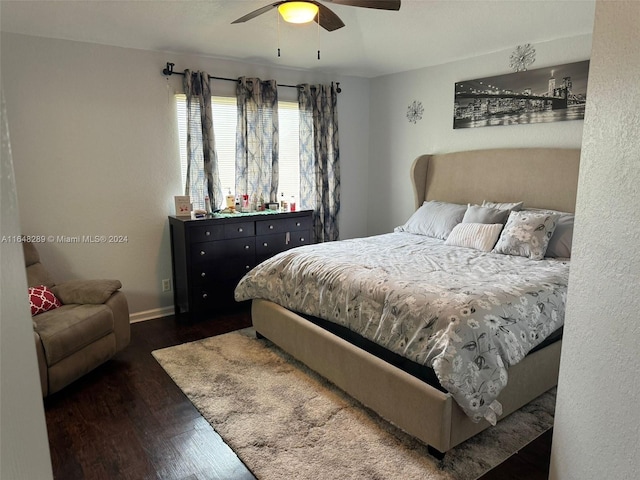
466, 314
420, 371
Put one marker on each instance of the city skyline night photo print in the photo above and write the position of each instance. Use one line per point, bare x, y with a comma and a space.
542, 95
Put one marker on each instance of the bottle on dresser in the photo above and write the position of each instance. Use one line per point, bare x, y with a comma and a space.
283, 203
231, 200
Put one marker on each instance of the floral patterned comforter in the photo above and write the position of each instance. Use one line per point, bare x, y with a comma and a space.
465, 313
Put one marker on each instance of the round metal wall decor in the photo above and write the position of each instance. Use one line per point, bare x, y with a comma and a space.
522, 57
415, 111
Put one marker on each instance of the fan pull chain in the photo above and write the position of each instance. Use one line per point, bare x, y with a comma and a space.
318, 38
278, 15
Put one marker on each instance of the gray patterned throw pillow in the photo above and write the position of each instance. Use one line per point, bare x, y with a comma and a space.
527, 234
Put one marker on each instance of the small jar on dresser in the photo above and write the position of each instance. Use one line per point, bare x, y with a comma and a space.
210, 255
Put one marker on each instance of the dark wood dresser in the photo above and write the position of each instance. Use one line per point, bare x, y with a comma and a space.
210, 255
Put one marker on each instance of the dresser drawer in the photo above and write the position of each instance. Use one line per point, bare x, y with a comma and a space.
268, 245
222, 270
207, 251
237, 230
277, 225
206, 233
211, 296
299, 238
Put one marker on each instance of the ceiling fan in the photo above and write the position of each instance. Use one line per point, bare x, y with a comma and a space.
306, 11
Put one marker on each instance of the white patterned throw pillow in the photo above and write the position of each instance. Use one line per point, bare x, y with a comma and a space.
527, 234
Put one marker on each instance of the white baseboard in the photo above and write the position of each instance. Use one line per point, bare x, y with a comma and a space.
151, 314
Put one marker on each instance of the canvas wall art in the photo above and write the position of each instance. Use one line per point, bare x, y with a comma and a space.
543, 95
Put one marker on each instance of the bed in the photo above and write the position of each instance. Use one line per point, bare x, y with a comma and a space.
543, 179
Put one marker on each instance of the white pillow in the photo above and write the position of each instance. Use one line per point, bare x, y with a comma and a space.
434, 219
480, 236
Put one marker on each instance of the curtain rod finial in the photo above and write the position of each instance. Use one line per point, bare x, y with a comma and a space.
168, 70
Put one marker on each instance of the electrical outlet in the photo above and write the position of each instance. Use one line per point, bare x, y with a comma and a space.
166, 285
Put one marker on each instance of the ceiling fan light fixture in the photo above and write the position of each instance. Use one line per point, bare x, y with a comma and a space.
298, 12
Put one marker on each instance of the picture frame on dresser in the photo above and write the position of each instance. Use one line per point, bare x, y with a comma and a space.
210, 255
183, 205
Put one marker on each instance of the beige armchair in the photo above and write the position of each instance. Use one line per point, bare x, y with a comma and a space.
90, 327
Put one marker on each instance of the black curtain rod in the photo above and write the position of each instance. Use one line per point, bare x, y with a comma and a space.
168, 71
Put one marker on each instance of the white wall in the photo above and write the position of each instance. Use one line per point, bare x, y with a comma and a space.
95, 152
597, 426
395, 142
24, 449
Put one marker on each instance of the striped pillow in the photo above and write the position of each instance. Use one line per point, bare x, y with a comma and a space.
480, 236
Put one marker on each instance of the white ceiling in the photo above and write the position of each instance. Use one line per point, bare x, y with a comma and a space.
373, 42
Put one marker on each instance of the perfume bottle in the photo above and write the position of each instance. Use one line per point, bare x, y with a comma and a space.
231, 200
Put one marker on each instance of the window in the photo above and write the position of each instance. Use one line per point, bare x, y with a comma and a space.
224, 129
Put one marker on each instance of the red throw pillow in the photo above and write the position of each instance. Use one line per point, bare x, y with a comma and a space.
42, 299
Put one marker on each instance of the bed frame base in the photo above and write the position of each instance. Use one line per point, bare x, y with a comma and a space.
541, 177
410, 404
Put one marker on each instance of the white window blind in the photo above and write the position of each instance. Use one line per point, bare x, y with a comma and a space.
225, 119
224, 129
289, 150
181, 108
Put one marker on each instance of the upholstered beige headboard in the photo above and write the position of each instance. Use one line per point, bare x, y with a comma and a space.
541, 177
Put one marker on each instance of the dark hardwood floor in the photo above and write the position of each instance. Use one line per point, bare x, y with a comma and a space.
128, 420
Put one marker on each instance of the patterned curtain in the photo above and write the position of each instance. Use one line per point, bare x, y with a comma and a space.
320, 158
203, 178
257, 138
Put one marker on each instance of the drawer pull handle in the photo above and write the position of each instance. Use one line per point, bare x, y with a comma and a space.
240, 229
265, 244
297, 224
202, 252
302, 239
204, 295
203, 274
270, 227
246, 247
247, 267
207, 233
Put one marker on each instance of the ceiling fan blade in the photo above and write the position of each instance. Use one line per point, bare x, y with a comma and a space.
257, 12
379, 4
328, 20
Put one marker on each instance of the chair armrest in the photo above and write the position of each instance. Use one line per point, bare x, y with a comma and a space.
86, 291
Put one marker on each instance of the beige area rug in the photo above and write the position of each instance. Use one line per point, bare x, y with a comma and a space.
286, 422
